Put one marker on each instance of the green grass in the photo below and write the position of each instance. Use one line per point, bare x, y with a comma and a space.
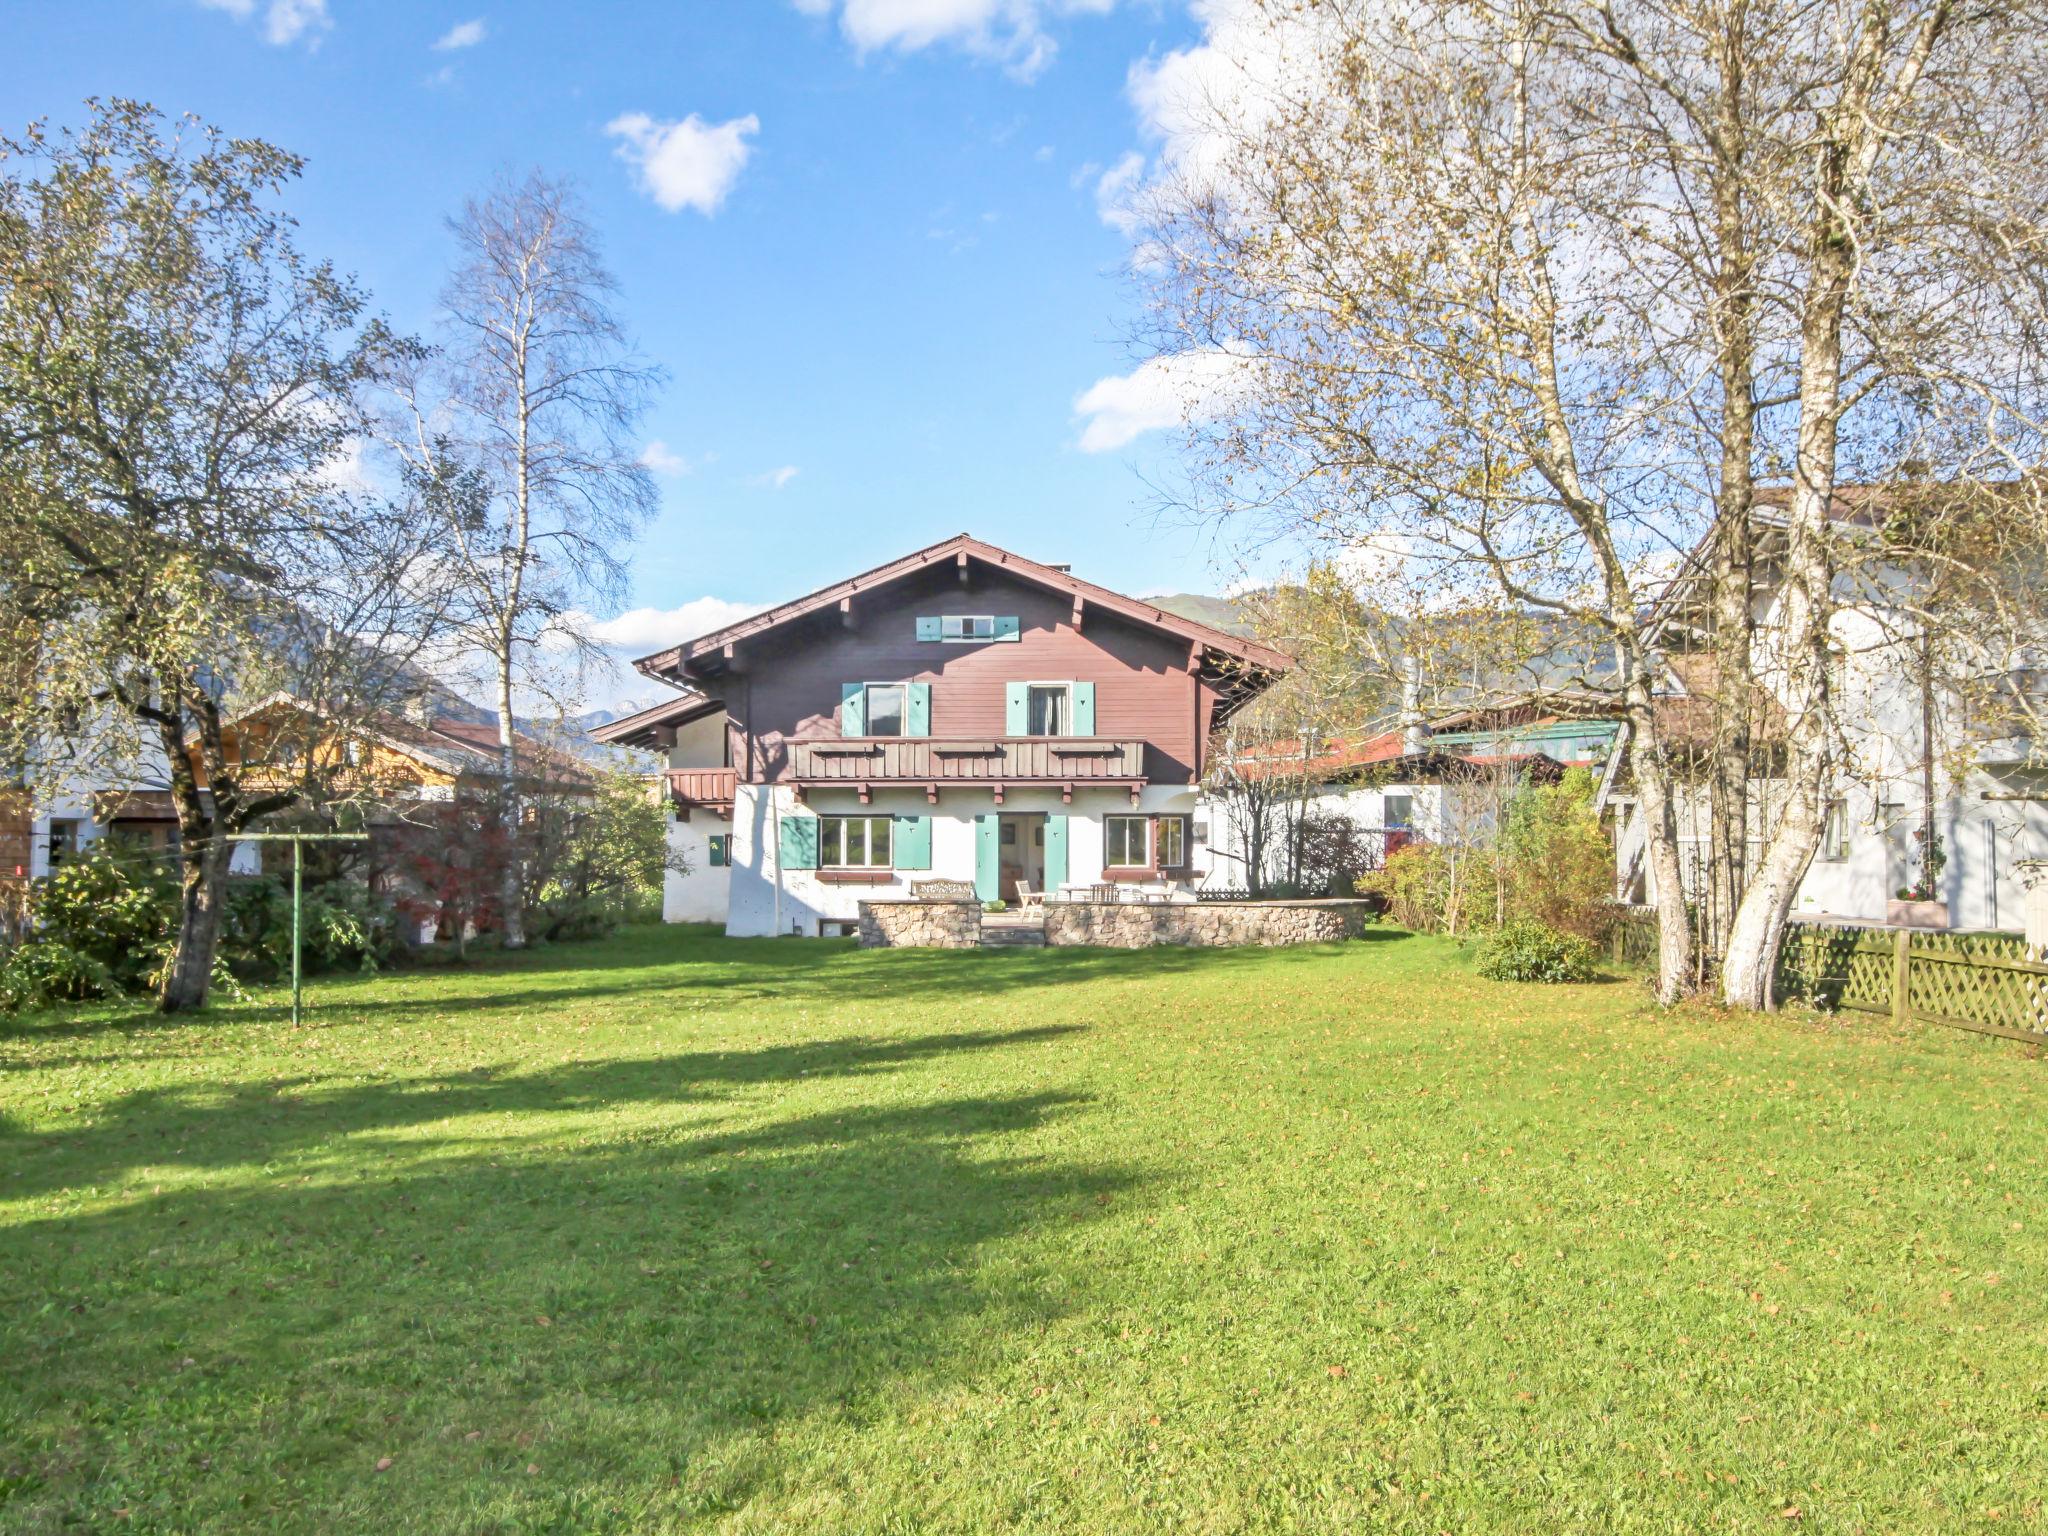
680, 1233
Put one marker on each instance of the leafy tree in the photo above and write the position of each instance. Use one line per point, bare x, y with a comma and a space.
179, 397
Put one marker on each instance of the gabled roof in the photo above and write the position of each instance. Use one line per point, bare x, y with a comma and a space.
707, 652
641, 728
454, 747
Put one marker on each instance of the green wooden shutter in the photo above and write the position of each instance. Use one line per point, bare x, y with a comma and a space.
1017, 710
917, 710
853, 709
927, 628
1008, 629
988, 877
912, 840
799, 842
1084, 709
1055, 850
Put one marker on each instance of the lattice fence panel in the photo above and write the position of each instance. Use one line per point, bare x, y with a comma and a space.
1837, 968
2006, 997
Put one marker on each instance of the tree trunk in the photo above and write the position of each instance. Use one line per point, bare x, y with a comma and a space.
202, 887
1660, 840
512, 918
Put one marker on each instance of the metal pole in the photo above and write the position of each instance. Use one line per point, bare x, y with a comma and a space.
298, 864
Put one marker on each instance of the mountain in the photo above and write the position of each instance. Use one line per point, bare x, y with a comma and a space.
1224, 613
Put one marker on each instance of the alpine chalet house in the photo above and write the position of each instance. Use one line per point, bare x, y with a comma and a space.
961, 716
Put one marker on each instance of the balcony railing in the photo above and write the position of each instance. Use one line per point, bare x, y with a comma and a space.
706, 789
977, 760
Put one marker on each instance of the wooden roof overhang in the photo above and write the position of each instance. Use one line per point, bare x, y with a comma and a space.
1237, 668
656, 725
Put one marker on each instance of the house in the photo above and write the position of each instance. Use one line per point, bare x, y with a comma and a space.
1445, 781
383, 764
961, 714
1910, 741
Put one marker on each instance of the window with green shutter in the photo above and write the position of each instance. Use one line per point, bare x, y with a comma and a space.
798, 846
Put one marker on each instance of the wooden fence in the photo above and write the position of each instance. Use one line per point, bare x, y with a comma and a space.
1980, 981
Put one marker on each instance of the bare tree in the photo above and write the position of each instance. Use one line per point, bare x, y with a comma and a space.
520, 437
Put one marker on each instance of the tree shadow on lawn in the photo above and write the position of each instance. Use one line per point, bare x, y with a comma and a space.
616, 1335
260, 1123
696, 966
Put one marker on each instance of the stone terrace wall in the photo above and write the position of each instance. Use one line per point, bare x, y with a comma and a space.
1137, 925
920, 925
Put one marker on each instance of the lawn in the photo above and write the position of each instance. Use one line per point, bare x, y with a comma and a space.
677, 1233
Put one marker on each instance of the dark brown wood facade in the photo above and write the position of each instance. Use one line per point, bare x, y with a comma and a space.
1158, 691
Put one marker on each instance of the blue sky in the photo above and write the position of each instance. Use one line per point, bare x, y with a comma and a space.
863, 236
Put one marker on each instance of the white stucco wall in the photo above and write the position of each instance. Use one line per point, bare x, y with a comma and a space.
697, 894
763, 902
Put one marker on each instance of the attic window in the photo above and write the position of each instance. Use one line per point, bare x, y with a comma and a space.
958, 626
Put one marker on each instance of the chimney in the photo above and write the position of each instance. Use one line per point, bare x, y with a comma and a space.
1414, 725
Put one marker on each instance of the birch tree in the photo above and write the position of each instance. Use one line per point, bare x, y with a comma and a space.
1541, 289
520, 435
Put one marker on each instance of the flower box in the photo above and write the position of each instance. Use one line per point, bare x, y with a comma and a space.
1916, 914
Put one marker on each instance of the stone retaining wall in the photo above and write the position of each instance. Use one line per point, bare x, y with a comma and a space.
920, 925
1139, 925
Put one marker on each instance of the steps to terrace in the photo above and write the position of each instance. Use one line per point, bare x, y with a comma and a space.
1013, 930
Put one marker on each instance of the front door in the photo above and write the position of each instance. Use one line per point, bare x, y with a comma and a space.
1021, 853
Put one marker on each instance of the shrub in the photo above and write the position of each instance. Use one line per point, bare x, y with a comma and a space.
48, 971
1426, 886
1522, 950
113, 908
1557, 862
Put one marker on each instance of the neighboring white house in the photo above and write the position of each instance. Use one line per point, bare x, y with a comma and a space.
1990, 786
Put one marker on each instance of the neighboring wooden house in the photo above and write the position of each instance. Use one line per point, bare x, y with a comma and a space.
960, 714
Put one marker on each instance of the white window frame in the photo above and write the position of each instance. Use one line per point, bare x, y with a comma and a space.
954, 627
1407, 823
839, 830
867, 707
1066, 691
1109, 861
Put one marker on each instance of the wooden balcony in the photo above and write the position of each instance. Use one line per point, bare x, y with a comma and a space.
702, 789
988, 762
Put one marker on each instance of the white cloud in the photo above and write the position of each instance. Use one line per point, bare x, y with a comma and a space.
687, 164
466, 34
1114, 191
644, 630
1161, 392
284, 21
660, 459
1010, 32
1192, 100
776, 479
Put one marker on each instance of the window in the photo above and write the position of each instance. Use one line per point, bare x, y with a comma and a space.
1172, 842
720, 854
63, 842
885, 709
853, 842
1126, 842
966, 626
1048, 709
1398, 811
1834, 830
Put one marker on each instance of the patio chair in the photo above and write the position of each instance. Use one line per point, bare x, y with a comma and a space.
1026, 897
